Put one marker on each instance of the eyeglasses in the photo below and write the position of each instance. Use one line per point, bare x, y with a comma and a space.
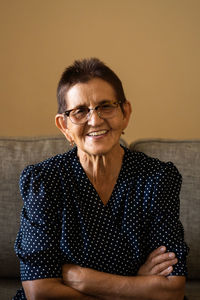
81, 115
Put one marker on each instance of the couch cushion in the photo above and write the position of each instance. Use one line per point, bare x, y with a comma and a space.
15, 155
8, 288
192, 290
186, 156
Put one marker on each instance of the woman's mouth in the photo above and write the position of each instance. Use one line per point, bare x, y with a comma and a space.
97, 133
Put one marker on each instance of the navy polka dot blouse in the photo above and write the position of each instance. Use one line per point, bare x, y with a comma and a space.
64, 221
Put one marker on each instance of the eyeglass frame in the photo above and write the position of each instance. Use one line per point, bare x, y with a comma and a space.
67, 112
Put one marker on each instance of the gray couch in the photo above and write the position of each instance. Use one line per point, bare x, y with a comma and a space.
16, 153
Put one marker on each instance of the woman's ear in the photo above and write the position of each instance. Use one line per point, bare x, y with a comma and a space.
127, 113
61, 124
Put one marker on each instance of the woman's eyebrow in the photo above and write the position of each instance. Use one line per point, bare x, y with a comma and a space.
78, 106
104, 101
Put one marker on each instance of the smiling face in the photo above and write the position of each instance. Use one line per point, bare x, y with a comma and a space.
97, 136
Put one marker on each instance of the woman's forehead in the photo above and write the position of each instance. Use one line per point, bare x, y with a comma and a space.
94, 91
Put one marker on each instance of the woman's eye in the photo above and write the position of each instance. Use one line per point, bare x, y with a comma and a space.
106, 106
80, 111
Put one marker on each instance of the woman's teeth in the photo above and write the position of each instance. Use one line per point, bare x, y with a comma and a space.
95, 133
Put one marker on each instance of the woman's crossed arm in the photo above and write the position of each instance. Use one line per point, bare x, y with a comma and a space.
87, 284
115, 287
52, 289
152, 282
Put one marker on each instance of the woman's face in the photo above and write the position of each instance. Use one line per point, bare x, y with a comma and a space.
97, 136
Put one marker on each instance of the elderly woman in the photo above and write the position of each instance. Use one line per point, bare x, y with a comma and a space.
99, 222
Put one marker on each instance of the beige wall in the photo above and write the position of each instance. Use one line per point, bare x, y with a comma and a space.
153, 45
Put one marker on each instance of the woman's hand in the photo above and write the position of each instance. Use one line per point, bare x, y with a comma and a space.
86, 280
159, 262
80, 278
74, 276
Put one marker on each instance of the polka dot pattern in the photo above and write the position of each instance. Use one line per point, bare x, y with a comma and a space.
64, 221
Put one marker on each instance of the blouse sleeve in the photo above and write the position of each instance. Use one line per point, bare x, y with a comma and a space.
165, 226
37, 243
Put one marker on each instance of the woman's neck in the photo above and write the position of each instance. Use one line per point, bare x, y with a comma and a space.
102, 168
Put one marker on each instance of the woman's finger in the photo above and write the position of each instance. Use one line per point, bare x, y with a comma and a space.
166, 272
157, 252
162, 267
161, 258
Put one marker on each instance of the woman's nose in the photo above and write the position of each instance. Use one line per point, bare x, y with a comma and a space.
94, 118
